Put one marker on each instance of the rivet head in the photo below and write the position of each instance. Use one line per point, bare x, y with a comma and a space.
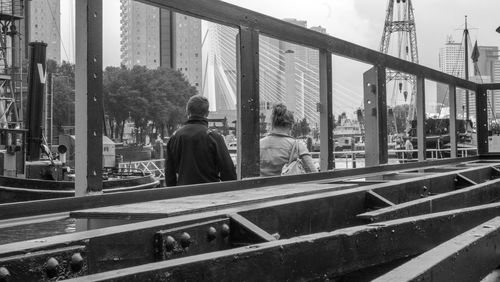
211, 233
51, 267
169, 243
224, 231
76, 262
4, 274
185, 240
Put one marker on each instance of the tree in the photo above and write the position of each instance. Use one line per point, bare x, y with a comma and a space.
63, 94
301, 128
153, 99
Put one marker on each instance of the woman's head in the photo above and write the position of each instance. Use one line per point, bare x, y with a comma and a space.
281, 117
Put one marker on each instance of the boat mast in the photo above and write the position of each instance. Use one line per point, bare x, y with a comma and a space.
466, 58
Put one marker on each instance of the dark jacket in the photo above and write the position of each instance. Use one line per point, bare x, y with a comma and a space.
196, 154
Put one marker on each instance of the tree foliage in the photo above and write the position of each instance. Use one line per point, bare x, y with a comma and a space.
301, 128
152, 99
64, 94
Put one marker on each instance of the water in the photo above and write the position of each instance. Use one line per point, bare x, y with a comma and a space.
37, 230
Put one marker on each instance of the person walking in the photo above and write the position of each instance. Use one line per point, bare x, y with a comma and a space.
196, 154
276, 147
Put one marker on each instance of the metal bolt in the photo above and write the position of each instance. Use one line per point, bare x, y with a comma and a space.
169, 243
211, 233
185, 240
425, 188
51, 267
76, 262
4, 274
224, 230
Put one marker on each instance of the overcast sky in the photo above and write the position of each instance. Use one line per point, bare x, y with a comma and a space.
358, 21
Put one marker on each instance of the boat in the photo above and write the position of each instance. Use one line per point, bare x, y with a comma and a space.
29, 169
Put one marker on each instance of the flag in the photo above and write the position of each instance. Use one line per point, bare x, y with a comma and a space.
475, 53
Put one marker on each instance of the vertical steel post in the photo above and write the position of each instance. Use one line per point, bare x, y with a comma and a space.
375, 101
88, 112
453, 121
326, 110
482, 119
421, 118
248, 130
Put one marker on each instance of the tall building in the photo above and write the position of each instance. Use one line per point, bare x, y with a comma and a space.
152, 37
140, 34
451, 61
45, 24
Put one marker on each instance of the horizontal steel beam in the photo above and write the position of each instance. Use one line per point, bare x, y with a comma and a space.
228, 14
315, 256
468, 257
33, 208
466, 197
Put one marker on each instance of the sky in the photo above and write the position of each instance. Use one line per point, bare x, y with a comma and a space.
358, 21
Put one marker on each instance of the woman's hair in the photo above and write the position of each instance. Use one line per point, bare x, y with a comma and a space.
281, 117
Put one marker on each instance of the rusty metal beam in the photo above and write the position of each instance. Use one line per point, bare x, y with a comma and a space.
326, 111
453, 121
248, 129
315, 256
228, 14
375, 201
420, 98
88, 99
375, 104
491, 86
466, 197
482, 119
468, 257
25, 209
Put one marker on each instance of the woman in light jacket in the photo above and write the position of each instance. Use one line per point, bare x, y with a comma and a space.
276, 147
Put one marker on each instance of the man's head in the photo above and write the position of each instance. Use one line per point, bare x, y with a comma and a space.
197, 106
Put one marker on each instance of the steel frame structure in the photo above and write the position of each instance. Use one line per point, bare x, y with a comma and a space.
340, 221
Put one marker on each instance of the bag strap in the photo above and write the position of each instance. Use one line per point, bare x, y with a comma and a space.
295, 149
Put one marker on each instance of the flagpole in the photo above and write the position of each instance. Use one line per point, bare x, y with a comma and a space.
466, 35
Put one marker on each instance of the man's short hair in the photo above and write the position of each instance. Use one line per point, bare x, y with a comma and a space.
198, 106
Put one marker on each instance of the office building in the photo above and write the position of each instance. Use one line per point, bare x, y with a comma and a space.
45, 24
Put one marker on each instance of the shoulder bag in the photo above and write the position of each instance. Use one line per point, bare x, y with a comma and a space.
294, 165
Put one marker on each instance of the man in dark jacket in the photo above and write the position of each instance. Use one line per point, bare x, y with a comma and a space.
196, 154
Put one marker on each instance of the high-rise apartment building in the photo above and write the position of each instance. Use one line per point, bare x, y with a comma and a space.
45, 24
452, 61
140, 34
152, 37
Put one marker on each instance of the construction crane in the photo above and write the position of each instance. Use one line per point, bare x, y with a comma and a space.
11, 13
400, 23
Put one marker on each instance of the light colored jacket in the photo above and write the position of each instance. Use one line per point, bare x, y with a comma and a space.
275, 151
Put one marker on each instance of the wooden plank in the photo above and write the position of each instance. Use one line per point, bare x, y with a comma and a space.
228, 14
375, 105
474, 195
70, 204
187, 205
248, 128
468, 257
326, 111
421, 118
315, 256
